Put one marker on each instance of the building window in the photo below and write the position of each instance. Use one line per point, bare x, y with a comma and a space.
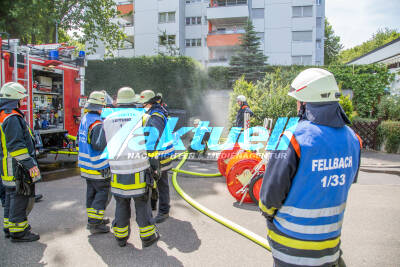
318, 2
301, 60
302, 36
166, 17
162, 17
258, 13
192, 1
319, 22
218, 3
302, 11
171, 17
193, 20
164, 39
193, 42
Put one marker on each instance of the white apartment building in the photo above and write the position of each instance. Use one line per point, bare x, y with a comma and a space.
291, 31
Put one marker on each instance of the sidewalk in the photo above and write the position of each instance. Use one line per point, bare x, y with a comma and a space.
380, 162
371, 161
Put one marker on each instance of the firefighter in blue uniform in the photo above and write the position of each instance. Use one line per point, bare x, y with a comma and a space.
19, 170
304, 192
243, 108
130, 176
160, 150
94, 168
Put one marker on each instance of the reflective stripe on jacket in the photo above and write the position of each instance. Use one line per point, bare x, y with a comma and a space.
163, 147
90, 161
314, 207
128, 185
17, 144
128, 162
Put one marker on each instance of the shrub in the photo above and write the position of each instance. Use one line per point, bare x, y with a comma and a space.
389, 108
389, 134
267, 98
347, 106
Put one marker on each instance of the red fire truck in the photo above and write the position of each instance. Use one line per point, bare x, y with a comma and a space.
54, 78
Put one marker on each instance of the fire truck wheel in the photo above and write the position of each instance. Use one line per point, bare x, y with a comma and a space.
225, 157
255, 187
238, 176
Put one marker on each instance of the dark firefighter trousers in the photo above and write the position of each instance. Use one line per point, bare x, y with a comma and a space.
144, 217
163, 193
97, 198
16, 210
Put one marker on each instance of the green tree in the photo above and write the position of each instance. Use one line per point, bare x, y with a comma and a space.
332, 45
249, 60
34, 21
381, 37
167, 46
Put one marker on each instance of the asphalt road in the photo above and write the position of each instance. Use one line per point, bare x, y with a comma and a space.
370, 236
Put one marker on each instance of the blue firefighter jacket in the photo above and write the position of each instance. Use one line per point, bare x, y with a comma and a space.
161, 147
314, 207
89, 159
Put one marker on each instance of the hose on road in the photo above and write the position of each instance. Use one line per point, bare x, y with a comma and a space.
231, 225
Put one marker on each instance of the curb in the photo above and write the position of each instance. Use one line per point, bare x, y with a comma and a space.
388, 170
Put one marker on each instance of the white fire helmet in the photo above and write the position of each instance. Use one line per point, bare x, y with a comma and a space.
241, 98
315, 85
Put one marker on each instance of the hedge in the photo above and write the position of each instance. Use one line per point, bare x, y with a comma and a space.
368, 82
389, 135
181, 79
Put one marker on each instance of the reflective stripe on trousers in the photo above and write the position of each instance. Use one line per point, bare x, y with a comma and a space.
18, 227
6, 223
121, 232
95, 214
147, 231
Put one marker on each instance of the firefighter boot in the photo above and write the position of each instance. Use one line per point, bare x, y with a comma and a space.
101, 228
147, 242
6, 233
121, 242
161, 217
27, 237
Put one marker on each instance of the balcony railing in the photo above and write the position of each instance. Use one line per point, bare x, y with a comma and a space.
222, 3
226, 32
124, 2
215, 60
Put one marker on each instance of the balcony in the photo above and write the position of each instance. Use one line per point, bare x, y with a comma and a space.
218, 62
228, 14
216, 39
125, 7
129, 30
125, 52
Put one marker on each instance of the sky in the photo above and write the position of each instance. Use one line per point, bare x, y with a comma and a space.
354, 21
